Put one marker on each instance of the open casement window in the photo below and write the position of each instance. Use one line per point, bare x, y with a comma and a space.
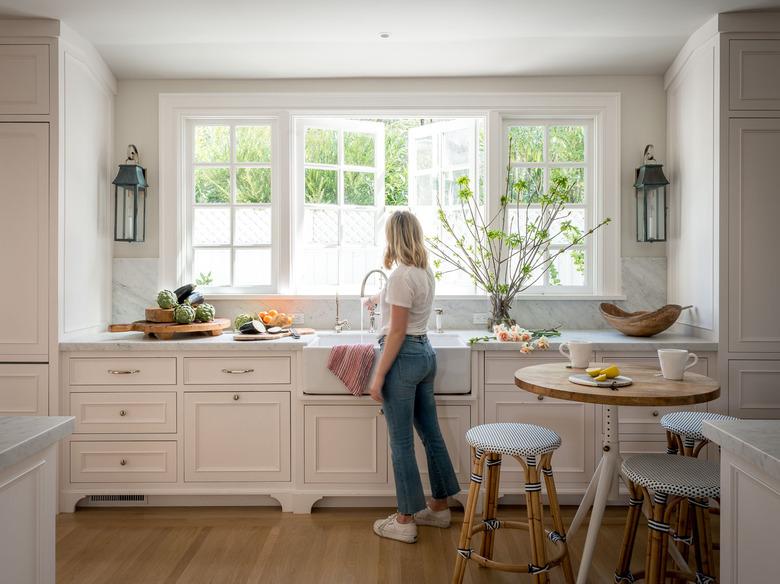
542, 151
439, 154
229, 217
340, 193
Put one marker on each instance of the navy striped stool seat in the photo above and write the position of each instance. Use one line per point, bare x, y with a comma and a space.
513, 439
673, 475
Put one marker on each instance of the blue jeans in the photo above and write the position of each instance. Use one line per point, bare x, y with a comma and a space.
409, 403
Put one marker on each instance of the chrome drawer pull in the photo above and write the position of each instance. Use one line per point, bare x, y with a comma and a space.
122, 412
655, 413
123, 462
235, 397
540, 397
237, 371
124, 371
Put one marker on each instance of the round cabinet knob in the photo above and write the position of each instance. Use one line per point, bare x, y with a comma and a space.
123, 462
122, 412
540, 397
655, 413
235, 397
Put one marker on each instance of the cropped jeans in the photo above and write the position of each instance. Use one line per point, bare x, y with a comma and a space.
409, 404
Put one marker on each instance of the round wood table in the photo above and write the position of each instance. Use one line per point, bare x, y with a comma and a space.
648, 389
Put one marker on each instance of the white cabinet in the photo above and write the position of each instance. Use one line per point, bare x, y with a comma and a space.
454, 422
237, 436
24, 240
754, 388
24, 70
574, 461
122, 371
124, 412
345, 444
24, 389
754, 69
123, 462
754, 206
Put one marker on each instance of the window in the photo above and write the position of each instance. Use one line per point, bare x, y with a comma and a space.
353, 173
542, 152
230, 216
289, 193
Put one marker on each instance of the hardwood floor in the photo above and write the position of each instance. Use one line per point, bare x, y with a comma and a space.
242, 545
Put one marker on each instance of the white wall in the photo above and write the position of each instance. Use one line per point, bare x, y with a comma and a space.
86, 167
643, 112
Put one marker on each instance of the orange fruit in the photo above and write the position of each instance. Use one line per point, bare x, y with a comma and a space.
262, 314
267, 319
272, 312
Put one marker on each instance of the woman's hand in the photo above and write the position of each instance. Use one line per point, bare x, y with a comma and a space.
376, 388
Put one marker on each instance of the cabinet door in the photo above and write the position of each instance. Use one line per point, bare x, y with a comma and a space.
573, 462
454, 421
754, 66
646, 420
24, 389
345, 444
241, 436
754, 206
24, 241
24, 70
754, 389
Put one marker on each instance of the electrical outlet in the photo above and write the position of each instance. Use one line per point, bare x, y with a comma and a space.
481, 318
298, 318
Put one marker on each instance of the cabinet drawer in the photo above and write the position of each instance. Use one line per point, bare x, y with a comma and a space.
24, 70
124, 413
755, 74
754, 388
500, 370
123, 462
24, 389
122, 371
237, 370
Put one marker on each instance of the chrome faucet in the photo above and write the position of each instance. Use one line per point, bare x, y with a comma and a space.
372, 311
340, 324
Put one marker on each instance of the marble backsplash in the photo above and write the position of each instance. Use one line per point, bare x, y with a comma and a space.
644, 285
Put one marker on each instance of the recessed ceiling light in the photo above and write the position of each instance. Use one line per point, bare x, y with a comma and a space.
384, 35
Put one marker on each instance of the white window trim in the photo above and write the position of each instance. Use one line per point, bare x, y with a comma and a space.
176, 108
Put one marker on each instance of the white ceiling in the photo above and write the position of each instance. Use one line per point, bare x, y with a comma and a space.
340, 38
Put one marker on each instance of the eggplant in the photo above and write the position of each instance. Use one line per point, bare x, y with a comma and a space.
274, 329
183, 292
195, 298
254, 327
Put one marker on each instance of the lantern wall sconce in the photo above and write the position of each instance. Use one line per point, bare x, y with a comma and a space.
130, 188
651, 199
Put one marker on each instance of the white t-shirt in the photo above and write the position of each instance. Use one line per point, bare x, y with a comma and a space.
412, 288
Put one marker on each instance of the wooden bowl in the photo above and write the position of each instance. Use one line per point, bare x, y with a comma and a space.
641, 323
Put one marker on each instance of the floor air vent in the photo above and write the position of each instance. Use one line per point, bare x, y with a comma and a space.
114, 500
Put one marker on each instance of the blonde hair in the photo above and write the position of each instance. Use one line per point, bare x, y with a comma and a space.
405, 241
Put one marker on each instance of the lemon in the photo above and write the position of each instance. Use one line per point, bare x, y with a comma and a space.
611, 371
602, 377
593, 371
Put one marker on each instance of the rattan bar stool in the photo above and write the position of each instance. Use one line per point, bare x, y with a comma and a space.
533, 447
684, 431
666, 481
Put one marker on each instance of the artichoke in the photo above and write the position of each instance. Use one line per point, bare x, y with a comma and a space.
241, 319
184, 314
166, 299
204, 312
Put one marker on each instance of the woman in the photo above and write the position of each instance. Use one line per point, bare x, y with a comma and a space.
404, 383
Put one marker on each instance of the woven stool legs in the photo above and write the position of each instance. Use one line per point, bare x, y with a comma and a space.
540, 565
661, 510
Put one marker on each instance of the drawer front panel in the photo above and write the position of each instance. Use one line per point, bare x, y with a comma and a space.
122, 371
500, 370
123, 462
755, 74
237, 370
124, 413
24, 389
754, 388
24, 70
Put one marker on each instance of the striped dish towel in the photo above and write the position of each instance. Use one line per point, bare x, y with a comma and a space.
352, 365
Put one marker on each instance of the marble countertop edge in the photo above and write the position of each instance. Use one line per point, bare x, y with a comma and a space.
24, 436
757, 441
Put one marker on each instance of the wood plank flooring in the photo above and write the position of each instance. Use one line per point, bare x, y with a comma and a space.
243, 545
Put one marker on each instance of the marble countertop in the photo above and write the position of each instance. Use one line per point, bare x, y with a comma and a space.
757, 441
23, 436
602, 339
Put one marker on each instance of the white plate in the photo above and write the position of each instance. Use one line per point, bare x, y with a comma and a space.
615, 382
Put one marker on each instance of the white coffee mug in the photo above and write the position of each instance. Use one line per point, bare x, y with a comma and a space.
674, 362
577, 352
